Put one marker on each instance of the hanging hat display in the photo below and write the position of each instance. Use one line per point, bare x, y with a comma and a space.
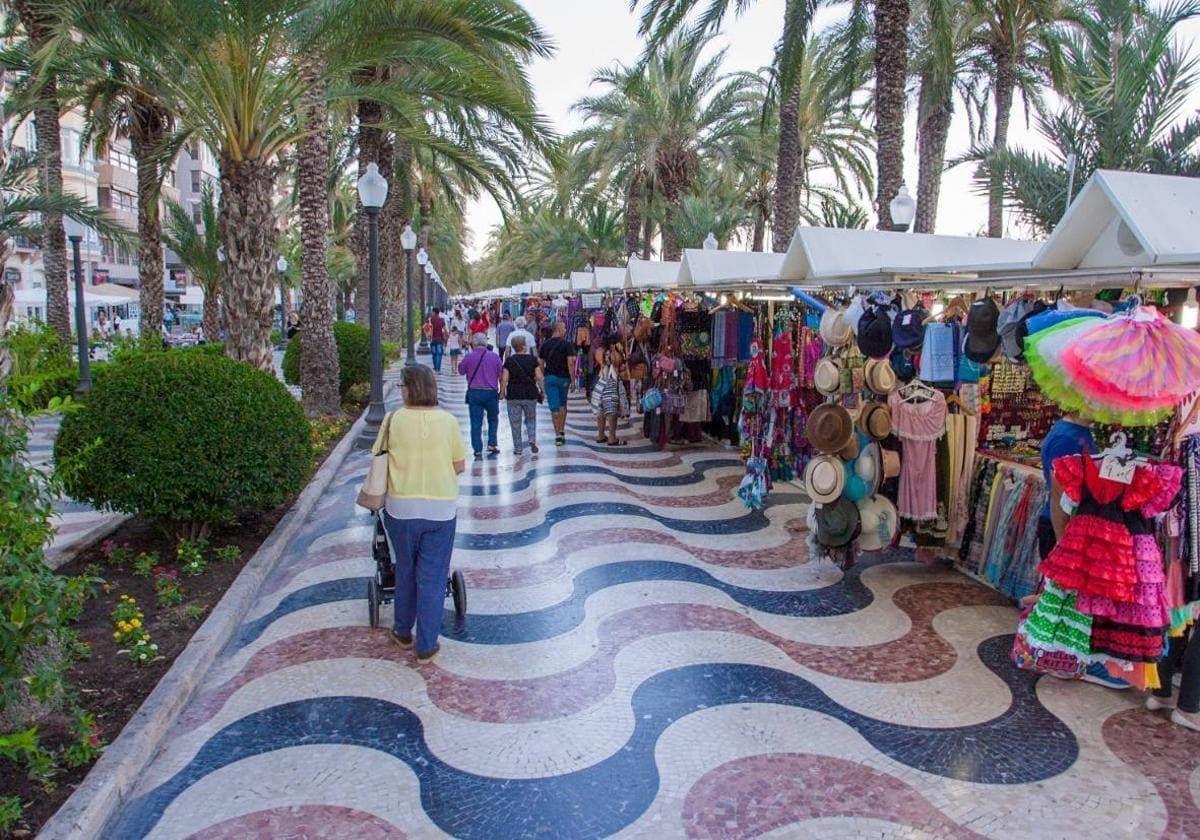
875, 333
829, 428
908, 329
854, 312
850, 451
875, 420
838, 524
869, 467
880, 523
891, 464
824, 479
827, 377
983, 339
854, 488
1010, 319
834, 330
880, 377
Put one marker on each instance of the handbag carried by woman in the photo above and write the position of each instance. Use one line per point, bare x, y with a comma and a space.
373, 494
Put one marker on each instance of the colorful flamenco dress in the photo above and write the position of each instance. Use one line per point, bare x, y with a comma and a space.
755, 427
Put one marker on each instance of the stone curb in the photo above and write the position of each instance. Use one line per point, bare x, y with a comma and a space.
66, 552
108, 783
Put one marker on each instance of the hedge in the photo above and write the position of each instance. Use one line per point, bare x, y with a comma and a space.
354, 356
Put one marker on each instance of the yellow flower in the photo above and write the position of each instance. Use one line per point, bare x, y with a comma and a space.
136, 622
116, 635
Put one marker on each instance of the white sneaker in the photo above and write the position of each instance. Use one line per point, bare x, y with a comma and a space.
1154, 703
1188, 720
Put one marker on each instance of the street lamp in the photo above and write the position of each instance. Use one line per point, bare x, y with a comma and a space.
281, 265
710, 242
903, 208
75, 236
422, 270
372, 192
408, 240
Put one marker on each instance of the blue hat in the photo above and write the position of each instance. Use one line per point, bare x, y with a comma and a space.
908, 329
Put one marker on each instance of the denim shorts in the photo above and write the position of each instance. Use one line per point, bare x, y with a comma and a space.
557, 388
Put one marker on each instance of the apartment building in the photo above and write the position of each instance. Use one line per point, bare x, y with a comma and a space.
111, 184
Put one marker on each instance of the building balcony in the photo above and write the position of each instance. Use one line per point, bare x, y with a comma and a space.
116, 178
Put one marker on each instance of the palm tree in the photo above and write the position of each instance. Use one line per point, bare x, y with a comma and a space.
39, 26
1020, 37
661, 18
661, 116
198, 244
1123, 109
716, 207
891, 79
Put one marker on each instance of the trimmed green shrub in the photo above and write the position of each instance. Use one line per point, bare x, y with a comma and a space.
35, 348
354, 356
34, 391
189, 439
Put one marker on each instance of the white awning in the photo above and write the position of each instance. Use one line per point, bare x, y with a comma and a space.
1127, 219
718, 268
582, 281
608, 277
651, 274
553, 285
818, 254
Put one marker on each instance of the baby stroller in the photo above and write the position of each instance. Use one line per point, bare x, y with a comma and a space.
382, 587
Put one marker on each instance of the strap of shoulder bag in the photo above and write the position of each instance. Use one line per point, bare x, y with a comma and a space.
387, 433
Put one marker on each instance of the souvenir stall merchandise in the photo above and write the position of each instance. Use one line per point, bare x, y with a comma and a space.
999, 539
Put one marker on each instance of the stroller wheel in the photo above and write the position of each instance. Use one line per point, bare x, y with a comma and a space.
373, 602
458, 591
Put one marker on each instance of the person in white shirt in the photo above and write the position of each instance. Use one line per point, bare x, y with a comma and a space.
530, 341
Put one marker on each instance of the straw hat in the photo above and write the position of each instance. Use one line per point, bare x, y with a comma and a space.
834, 330
824, 479
875, 420
869, 467
850, 451
879, 376
891, 463
827, 378
880, 523
838, 524
829, 428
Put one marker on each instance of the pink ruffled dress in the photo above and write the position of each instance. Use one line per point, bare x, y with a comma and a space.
919, 425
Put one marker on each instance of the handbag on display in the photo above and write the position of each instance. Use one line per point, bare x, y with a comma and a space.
373, 494
651, 400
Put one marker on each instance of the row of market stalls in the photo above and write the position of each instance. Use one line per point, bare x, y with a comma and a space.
908, 381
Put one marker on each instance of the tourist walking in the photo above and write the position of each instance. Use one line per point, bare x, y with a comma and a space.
482, 369
522, 331
523, 387
454, 343
425, 455
437, 338
558, 359
609, 400
503, 330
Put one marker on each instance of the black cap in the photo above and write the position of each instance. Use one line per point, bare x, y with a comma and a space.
875, 333
983, 337
908, 330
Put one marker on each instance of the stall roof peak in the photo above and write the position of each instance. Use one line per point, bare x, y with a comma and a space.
703, 267
1127, 219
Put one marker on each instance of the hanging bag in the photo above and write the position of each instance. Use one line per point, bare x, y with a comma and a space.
373, 494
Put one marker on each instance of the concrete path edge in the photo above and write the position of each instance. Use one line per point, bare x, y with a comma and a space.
108, 783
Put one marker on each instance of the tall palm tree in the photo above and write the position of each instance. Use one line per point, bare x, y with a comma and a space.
198, 244
661, 18
891, 79
1021, 39
1124, 108
661, 115
39, 25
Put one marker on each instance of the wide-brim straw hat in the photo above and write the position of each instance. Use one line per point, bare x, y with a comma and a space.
838, 523
835, 331
880, 523
879, 376
875, 420
891, 464
827, 377
824, 479
829, 428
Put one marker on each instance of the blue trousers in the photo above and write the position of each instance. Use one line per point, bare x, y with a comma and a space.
437, 349
479, 402
421, 550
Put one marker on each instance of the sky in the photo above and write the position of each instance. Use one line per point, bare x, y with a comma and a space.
595, 33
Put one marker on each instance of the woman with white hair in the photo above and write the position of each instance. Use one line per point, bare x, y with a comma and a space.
520, 330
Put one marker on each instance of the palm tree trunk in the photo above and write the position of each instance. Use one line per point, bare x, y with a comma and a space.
151, 124
39, 27
1005, 84
392, 218
891, 74
319, 369
6, 292
370, 137
787, 188
647, 236
210, 317
248, 236
633, 213
931, 153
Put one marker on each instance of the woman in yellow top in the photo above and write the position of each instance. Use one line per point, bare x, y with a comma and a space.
425, 455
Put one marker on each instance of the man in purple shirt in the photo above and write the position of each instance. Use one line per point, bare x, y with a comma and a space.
482, 368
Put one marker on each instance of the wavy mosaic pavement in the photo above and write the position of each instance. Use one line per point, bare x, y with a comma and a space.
644, 658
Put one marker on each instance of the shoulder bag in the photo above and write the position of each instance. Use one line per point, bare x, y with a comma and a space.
373, 495
532, 380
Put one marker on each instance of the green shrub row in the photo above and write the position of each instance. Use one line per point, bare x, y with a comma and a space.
354, 356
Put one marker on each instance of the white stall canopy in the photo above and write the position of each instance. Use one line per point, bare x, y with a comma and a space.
651, 274
1127, 220
819, 255
727, 268
554, 285
608, 277
582, 281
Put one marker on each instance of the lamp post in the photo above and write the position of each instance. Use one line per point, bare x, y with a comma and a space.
75, 236
281, 265
372, 192
710, 242
408, 240
422, 270
904, 210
